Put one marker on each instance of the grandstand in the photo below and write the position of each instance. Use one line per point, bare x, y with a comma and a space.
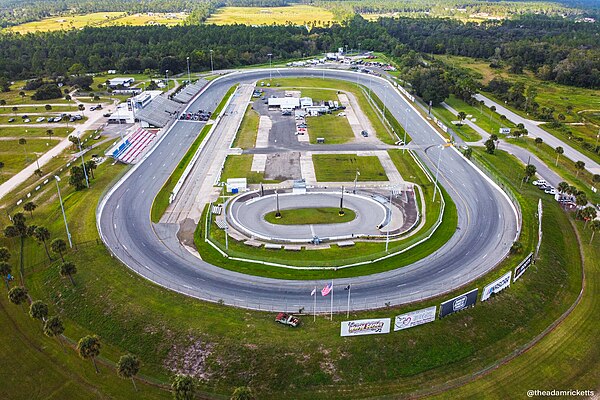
158, 112
131, 146
188, 92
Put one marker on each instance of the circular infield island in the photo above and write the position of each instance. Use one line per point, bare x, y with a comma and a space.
306, 216
311, 216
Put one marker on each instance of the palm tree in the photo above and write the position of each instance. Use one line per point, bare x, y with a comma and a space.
461, 116
88, 347
68, 269
530, 171
42, 235
579, 165
21, 230
30, 206
594, 226
48, 107
54, 327
91, 166
5, 271
59, 246
81, 108
183, 387
559, 150
538, 141
38, 310
50, 133
563, 187
18, 295
128, 367
4, 254
581, 200
14, 110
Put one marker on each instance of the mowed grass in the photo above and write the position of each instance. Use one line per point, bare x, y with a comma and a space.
39, 109
344, 167
310, 216
16, 156
488, 120
464, 131
25, 132
246, 135
289, 15
132, 315
98, 19
334, 129
238, 166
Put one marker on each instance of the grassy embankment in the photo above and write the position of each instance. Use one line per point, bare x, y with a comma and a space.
242, 348
344, 167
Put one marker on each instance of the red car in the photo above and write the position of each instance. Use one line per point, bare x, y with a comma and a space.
287, 319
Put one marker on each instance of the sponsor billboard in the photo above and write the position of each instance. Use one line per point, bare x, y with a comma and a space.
458, 303
415, 318
521, 268
497, 286
366, 327
504, 131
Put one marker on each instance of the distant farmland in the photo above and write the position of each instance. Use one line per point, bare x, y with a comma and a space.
98, 19
295, 15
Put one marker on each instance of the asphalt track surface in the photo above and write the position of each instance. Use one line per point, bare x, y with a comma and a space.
487, 222
250, 215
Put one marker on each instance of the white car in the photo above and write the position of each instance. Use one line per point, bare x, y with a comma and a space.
550, 190
40, 119
540, 182
26, 120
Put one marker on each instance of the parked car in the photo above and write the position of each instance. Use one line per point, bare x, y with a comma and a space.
540, 182
40, 119
365, 134
11, 120
550, 190
287, 319
27, 120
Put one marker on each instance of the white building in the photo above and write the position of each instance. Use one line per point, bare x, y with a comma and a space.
236, 185
285, 103
305, 102
116, 82
122, 115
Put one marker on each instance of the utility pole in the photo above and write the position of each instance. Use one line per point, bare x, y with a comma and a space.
387, 236
270, 65
57, 178
87, 180
188, 67
277, 213
341, 212
437, 170
212, 67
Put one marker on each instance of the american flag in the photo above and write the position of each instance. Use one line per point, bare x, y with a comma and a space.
325, 291
313, 292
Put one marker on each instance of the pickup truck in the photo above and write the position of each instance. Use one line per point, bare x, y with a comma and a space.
287, 319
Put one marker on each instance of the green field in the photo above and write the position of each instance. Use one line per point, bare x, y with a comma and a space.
311, 216
238, 166
98, 19
334, 129
246, 135
132, 315
489, 120
344, 167
34, 132
291, 15
16, 156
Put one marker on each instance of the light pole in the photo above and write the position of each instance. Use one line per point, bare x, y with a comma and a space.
277, 213
270, 64
341, 212
212, 66
387, 236
87, 181
57, 178
355, 180
405, 129
167, 77
188, 66
437, 170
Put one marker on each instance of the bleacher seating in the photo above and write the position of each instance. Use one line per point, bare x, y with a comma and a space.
159, 111
188, 92
139, 140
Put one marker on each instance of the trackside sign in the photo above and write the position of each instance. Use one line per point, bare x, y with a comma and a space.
522, 267
366, 327
497, 286
415, 318
458, 303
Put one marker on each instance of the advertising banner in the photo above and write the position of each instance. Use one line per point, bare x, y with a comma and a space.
458, 303
497, 286
521, 268
415, 318
366, 327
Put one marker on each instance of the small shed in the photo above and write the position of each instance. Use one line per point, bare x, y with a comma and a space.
236, 185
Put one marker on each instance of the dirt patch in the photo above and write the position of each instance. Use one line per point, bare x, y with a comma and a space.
327, 364
190, 359
187, 227
283, 166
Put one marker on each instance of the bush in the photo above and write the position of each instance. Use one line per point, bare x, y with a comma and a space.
47, 91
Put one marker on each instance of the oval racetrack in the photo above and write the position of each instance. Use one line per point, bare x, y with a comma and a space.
487, 221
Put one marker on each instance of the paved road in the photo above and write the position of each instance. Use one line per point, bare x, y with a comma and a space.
535, 131
486, 229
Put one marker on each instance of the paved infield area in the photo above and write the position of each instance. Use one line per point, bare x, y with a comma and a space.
487, 221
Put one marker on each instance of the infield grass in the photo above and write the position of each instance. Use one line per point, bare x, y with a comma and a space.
344, 167
334, 129
310, 216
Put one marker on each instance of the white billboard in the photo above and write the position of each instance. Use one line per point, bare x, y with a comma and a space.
497, 286
415, 318
366, 327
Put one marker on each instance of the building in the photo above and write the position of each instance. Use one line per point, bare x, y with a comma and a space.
142, 100
285, 103
122, 115
306, 102
236, 185
316, 110
120, 82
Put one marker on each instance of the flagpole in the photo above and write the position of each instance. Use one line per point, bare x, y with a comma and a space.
348, 312
331, 313
315, 306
